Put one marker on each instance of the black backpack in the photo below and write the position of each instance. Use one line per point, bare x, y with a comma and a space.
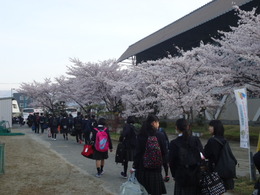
120, 153
54, 122
188, 171
78, 123
226, 165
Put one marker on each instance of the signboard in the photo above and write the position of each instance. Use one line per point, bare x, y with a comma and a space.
241, 100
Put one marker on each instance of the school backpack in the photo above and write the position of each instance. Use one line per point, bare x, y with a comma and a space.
226, 164
54, 122
120, 156
78, 123
101, 143
152, 155
188, 171
42, 119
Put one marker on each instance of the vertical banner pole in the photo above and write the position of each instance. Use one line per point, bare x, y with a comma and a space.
241, 101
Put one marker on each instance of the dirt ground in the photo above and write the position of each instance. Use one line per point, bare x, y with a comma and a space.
32, 169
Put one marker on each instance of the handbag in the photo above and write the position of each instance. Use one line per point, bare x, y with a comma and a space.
211, 183
88, 151
132, 187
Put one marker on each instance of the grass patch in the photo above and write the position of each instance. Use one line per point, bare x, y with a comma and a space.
243, 186
114, 135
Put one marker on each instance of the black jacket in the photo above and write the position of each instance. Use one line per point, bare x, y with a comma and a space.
212, 150
174, 151
128, 137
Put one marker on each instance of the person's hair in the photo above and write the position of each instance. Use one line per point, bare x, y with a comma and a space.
130, 119
218, 127
102, 121
183, 126
147, 128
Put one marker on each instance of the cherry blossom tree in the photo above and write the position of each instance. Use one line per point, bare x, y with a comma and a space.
93, 82
241, 46
68, 89
137, 97
175, 86
44, 94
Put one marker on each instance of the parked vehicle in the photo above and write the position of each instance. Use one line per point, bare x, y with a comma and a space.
28, 111
71, 110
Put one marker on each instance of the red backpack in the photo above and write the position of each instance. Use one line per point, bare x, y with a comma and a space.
101, 143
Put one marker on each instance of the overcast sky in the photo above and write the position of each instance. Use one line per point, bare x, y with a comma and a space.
38, 37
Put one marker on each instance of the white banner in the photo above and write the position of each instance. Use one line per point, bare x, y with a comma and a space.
241, 100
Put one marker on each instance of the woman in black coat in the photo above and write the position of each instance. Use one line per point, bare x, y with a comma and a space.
185, 160
128, 138
64, 126
150, 178
213, 148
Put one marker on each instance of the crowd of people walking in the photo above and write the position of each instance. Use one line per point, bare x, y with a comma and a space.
65, 124
149, 149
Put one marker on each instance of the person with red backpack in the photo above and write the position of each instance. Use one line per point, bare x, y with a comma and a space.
102, 143
149, 154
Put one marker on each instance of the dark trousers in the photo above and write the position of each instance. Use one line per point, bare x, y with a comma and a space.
87, 137
37, 128
42, 127
78, 135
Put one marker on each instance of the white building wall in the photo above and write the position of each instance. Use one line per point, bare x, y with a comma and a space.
6, 110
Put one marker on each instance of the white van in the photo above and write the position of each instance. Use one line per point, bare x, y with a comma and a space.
28, 111
72, 110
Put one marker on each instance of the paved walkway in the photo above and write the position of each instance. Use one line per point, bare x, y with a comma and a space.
70, 151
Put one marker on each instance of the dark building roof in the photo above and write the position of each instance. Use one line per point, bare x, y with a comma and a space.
189, 31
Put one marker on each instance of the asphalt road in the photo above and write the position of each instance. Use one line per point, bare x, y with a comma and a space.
71, 151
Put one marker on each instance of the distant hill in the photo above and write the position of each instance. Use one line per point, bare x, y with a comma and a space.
5, 93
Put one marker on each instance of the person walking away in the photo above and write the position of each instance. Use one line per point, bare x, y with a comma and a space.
185, 160
102, 143
165, 159
87, 129
71, 123
148, 158
64, 126
54, 123
213, 149
42, 122
93, 121
78, 127
128, 138
30, 120
21, 120
36, 121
